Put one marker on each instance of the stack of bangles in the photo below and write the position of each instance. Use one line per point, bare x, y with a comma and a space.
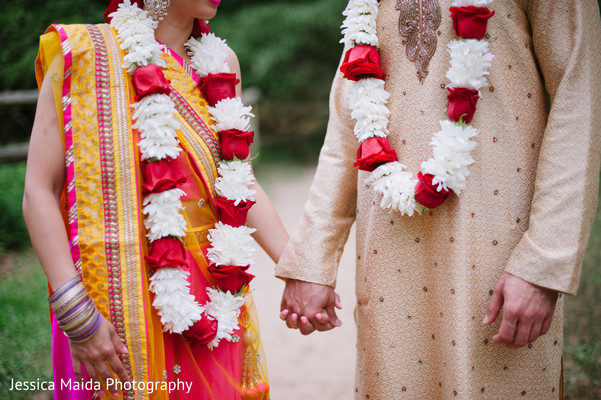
75, 310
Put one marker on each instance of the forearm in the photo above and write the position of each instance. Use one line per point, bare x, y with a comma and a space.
271, 234
48, 235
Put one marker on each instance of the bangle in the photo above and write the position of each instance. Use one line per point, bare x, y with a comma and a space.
75, 311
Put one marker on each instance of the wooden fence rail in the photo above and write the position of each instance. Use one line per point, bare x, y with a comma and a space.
18, 152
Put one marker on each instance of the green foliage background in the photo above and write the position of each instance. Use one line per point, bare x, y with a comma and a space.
281, 45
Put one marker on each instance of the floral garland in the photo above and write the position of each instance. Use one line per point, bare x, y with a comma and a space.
446, 171
231, 242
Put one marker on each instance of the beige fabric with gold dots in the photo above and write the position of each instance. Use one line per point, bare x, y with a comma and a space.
424, 282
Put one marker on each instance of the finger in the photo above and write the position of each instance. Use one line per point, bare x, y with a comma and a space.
535, 331
292, 321
77, 369
90, 371
284, 314
507, 330
333, 318
104, 372
338, 303
494, 307
524, 328
322, 321
546, 325
306, 327
115, 362
120, 347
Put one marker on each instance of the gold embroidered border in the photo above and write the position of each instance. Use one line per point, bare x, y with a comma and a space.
107, 161
129, 218
200, 139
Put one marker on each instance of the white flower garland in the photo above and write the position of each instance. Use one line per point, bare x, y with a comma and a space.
156, 124
452, 145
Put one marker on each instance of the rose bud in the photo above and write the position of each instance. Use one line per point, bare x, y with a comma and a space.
462, 104
427, 194
149, 79
470, 22
360, 62
216, 87
374, 152
230, 278
235, 143
231, 214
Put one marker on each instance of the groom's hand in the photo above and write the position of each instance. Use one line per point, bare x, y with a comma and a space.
309, 306
527, 310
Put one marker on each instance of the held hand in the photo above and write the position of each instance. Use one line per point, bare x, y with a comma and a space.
527, 310
309, 306
96, 352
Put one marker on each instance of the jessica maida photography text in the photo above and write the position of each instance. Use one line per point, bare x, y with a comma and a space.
112, 385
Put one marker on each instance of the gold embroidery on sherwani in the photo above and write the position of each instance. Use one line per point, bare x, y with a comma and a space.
418, 21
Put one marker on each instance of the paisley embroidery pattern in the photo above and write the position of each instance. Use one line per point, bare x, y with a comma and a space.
418, 22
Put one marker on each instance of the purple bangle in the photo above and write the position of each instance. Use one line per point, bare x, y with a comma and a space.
64, 288
88, 332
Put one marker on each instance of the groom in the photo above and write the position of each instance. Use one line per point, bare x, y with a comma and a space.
473, 200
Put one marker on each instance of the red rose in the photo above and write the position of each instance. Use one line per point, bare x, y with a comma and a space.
470, 22
462, 103
427, 194
114, 5
235, 143
374, 152
231, 214
149, 79
362, 61
201, 27
216, 87
167, 252
203, 331
230, 278
158, 176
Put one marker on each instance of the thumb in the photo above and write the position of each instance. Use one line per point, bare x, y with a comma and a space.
494, 307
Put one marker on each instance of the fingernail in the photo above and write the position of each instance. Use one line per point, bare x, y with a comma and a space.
485, 320
125, 350
285, 312
319, 317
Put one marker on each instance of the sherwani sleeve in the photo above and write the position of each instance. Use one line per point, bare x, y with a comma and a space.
315, 248
567, 43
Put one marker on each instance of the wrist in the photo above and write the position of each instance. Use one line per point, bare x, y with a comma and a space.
75, 311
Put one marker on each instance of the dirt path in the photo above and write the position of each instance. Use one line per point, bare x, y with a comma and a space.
320, 366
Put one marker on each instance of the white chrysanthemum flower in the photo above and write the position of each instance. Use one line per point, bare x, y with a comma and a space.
367, 101
231, 114
231, 245
136, 36
235, 179
476, 3
163, 217
452, 149
225, 308
470, 62
174, 303
359, 26
396, 186
154, 121
208, 55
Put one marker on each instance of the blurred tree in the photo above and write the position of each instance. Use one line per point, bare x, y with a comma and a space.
289, 50
23, 22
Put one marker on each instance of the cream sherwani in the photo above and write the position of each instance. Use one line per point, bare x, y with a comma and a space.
424, 282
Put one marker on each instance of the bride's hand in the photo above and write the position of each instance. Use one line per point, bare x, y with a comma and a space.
98, 354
